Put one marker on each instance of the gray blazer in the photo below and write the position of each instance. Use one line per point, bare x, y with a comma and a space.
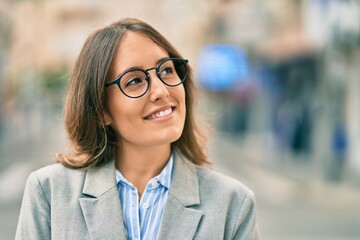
63, 203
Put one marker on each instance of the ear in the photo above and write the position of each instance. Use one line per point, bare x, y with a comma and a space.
107, 118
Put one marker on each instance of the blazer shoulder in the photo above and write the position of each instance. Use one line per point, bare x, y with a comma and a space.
219, 182
58, 170
57, 176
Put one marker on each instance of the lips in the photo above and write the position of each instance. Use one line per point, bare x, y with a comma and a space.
160, 113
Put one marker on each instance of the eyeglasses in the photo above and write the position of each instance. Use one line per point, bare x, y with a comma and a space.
135, 82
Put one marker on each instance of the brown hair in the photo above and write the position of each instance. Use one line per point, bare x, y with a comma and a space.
91, 141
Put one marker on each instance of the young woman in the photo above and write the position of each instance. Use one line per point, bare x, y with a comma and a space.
137, 167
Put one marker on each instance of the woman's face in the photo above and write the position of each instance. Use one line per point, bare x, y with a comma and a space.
156, 118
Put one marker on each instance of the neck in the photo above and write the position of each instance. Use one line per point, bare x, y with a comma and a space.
139, 165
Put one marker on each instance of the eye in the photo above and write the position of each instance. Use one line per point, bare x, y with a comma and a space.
134, 81
167, 70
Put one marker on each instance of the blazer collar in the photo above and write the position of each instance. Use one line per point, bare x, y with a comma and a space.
102, 210
184, 185
99, 179
101, 203
181, 219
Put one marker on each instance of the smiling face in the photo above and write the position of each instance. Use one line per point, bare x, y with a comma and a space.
158, 117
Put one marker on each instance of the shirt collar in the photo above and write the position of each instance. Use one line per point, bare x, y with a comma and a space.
164, 178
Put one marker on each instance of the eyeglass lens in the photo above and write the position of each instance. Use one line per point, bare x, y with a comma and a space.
171, 72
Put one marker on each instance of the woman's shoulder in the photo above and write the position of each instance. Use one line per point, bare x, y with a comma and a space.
57, 170
56, 175
219, 182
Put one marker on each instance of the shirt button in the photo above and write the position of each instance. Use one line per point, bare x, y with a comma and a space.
145, 205
154, 183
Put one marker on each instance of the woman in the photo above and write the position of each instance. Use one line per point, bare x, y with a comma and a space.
137, 167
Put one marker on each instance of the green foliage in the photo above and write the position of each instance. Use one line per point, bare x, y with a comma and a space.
53, 85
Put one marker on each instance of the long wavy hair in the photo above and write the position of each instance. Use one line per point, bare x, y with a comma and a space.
91, 141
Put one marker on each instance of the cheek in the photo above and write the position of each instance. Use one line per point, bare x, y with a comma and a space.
182, 99
123, 111
179, 93
123, 114
126, 122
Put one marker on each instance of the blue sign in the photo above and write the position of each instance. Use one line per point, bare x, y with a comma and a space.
221, 66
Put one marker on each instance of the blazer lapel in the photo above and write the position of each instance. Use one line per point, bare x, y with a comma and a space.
101, 206
180, 220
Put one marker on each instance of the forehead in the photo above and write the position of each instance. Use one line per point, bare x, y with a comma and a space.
137, 49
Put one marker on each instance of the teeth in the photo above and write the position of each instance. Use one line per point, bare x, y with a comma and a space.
160, 114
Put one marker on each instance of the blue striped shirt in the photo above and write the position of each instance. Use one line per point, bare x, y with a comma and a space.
142, 219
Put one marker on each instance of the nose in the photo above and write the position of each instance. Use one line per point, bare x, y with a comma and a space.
157, 89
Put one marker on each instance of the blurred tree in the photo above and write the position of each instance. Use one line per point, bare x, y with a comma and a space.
53, 85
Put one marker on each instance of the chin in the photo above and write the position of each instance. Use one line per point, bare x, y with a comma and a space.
167, 137
155, 137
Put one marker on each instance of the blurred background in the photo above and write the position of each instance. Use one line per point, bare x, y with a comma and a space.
280, 85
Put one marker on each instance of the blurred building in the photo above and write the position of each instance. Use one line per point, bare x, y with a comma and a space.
303, 57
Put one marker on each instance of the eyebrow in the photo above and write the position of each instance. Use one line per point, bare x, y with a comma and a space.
139, 67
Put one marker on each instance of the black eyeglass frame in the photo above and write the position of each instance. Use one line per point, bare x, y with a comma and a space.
146, 72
